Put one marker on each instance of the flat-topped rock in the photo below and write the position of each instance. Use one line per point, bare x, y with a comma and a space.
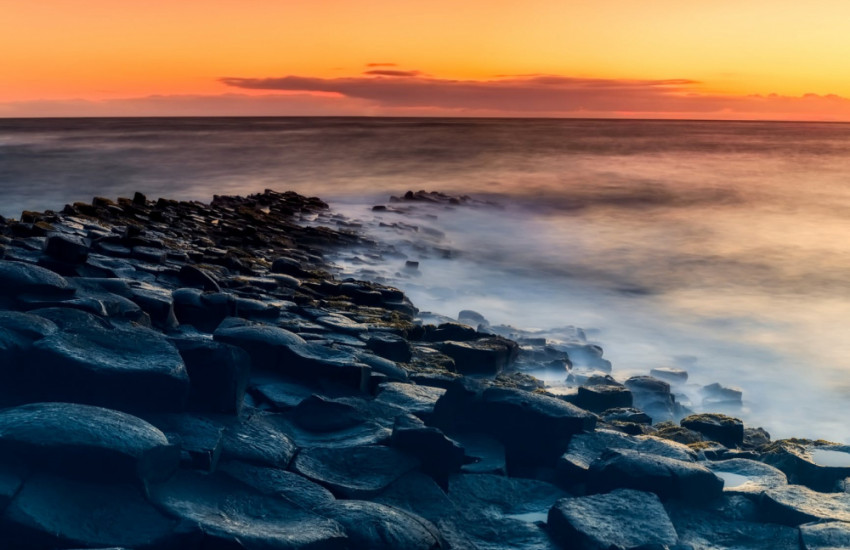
599, 398
230, 514
54, 512
746, 477
218, 374
86, 441
832, 535
481, 356
260, 439
18, 278
353, 472
666, 477
413, 398
623, 518
266, 344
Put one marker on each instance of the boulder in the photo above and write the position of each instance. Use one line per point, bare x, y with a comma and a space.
415, 399
230, 514
653, 396
439, 455
203, 310
320, 414
127, 368
87, 442
390, 346
198, 438
354, 472
602, 398
67, 248
267, 345
381, 527
670, 374
197, 277
669, 478
623, 518
20, 282
53, 512
724, 429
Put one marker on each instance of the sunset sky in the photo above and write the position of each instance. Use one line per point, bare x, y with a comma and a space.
730, 59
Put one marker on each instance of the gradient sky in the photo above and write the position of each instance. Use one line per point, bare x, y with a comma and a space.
658, 58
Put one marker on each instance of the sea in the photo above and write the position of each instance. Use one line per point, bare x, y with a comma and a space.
721, 248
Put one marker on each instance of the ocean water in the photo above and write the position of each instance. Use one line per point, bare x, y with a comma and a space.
718, 247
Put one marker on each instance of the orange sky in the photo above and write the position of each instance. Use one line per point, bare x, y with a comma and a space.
658, 58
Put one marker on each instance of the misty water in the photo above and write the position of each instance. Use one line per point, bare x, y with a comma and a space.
717, 247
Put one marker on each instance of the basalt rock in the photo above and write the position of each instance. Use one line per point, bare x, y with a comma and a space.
724, 429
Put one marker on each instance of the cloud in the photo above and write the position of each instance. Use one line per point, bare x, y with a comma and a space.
385, 72
381, 65
552, 95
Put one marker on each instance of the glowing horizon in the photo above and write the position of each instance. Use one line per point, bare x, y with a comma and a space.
608, 58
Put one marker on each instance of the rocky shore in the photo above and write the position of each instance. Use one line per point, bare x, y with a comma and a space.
178, 375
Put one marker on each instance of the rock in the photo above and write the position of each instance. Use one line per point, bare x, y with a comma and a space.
196, 277
204, 311
715, 395
679, 434
353, 472
746, 477
450, 331
288, 266
198, 438
587, 356
669, 478
623, 518
51, 512
439, 455
267, 345
157, 303
670, 374
755, 438
653, 396
832, 535
313, 362
482, 356
85, 441
149, 254
296, 489
729, 525
18, 331
390, 346
380, 527
259, 440
820, 466
796, 504
218, 374
282, 395
413, 398
482, 454
382, 366
319, 414
127, 368
602, 398
472, 318
724, 429
230, 514
585, 449
67, 248
634, 416
12, 476
19, 280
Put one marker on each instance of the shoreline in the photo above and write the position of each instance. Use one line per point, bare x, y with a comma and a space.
228, 365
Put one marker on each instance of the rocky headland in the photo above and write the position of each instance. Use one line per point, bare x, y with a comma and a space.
179, 375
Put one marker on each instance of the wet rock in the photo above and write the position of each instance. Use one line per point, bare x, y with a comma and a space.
198, 438
197, 277
127, 368
796, 504
149, 254
746, 477
52, 512
679, 434
67, 248
820, 466
86, 441
390, 346
585, 449
204, 311
630, 415
450, 331
380, 527
602, 398
715, 395
482, 356
755, 438
623, 518
288, 266
383, 366
482, 454
666, 477
157, 303
260, 439
587, 356
311, 361
218, 374
229, 514
724, 429
353, 472
472, 318
653, 396
18, 331
281, 395
296, 489
832, 535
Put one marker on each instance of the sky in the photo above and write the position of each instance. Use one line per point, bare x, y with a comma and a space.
715, 59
